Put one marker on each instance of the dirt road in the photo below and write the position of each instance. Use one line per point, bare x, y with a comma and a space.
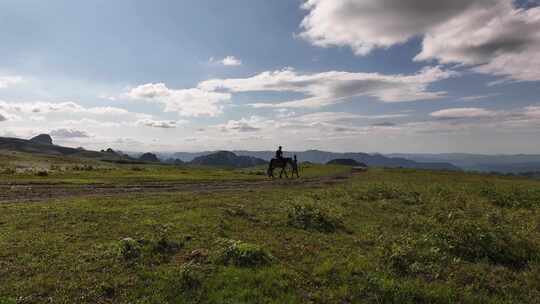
21, 192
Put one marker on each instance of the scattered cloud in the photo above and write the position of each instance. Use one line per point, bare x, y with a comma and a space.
231, 61
252, 124
478, 97
384, 124
495, 38
68, 111
8, 81
164, 124
192, 102
333, 87
491, 36
456, 113
365, 25
227, 61
69, 133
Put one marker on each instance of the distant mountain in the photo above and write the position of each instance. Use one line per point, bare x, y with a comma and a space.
345, 162
149, 157
43, 144
227, 159
322, 157
517, 163
45, 139
372, 160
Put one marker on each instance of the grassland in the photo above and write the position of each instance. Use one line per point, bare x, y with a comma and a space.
21, 168
383, 236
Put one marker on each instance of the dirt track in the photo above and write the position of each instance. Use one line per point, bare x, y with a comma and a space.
20, 192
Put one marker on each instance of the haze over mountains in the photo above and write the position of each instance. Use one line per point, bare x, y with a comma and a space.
519, 163
316, 156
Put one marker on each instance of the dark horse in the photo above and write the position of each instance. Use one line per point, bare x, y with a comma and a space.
282, 163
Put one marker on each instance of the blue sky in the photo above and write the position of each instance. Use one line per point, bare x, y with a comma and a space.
349, 75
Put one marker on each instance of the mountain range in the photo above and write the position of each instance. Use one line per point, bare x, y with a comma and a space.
519, 163
516, 163
316, 156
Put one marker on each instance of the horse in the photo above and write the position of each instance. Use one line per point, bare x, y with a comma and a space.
282, 163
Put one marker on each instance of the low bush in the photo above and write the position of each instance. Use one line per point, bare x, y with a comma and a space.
513, 197
7, 171
7, 300
432, 254
129, 249
389, 192
419, 255
42, 173
243, 254
476, 241
310, 217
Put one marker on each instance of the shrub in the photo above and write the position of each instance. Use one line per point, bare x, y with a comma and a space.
309, 217
7, 300
243, 254
165, 246
8, 171
42, 173
382, 191
416, 255
431, 254
512, 198
475, 241
130, 249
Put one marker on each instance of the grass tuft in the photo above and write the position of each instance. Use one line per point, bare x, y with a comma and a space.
243, 254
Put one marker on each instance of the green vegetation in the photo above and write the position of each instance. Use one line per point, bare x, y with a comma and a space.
46, 169
383, 236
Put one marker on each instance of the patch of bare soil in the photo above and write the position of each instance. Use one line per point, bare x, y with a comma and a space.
20, 192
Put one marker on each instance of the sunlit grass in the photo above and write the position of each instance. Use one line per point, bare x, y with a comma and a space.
403, 236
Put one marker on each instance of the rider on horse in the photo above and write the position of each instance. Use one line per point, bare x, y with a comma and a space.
279, 153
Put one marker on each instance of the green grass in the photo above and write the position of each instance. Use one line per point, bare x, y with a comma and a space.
399, 236
16, 167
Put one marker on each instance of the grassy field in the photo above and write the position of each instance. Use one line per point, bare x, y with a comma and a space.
16, 167
384, 236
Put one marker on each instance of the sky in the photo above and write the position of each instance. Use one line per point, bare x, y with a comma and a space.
409, 76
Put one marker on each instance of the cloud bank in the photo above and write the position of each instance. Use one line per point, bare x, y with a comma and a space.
327, 88
492, 36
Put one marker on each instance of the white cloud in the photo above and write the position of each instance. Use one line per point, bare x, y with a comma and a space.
8, 81
332, 87
367, 24
478, 97
3, 116
253, 124
456, 113
61, 110
492, 36
164, 124
68, 133
227, 61
532, 112
231, 61
187, 102
499, 39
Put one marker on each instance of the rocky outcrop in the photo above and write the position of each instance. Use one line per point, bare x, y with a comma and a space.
227, 159
44, 139
149, 157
